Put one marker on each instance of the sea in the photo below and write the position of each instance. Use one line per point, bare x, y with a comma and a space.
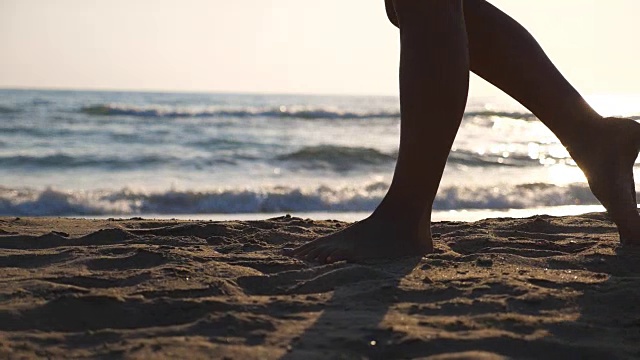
101, 154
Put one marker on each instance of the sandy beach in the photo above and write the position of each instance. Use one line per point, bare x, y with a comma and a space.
540, 287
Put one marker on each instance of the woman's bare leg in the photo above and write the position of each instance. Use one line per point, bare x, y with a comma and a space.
434, 79
505, 54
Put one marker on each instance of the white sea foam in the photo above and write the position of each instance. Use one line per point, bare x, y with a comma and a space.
163, 111
276, 199
302, 112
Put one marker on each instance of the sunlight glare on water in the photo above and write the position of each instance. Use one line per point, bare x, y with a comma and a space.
615, 104
564, 174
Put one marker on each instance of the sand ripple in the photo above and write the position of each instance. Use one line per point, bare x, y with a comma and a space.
542, 287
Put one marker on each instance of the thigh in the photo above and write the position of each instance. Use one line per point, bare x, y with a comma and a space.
424, 11
391, 12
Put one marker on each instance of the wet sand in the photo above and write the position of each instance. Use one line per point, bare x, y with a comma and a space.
541, 287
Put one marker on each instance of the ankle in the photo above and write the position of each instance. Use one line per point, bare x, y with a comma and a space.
582, 137
574, 122
413, 224
399, 213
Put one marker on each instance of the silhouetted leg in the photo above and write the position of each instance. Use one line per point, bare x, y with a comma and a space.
434, 79
505, 54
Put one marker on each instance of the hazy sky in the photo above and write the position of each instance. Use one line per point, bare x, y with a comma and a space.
290, 46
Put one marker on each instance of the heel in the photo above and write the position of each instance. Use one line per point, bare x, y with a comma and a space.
629, 129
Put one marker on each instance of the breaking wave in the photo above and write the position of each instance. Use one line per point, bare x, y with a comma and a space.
159, 111
276, 112
53, 202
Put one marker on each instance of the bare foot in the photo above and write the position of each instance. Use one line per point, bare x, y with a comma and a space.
607, 158
372, 238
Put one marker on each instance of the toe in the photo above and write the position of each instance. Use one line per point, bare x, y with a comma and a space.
337, 255
323, 256
301, 251
313, 254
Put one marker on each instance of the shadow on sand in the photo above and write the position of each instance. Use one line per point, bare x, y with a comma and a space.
350, 323
543, 287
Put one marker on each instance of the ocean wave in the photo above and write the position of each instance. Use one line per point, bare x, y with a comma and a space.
52, 202
339, 158
503, 114
521, 196
330, 158
7, 110
274, 112
469, 158
61, 160
343, 158
46, 132
39, 101
159, 111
